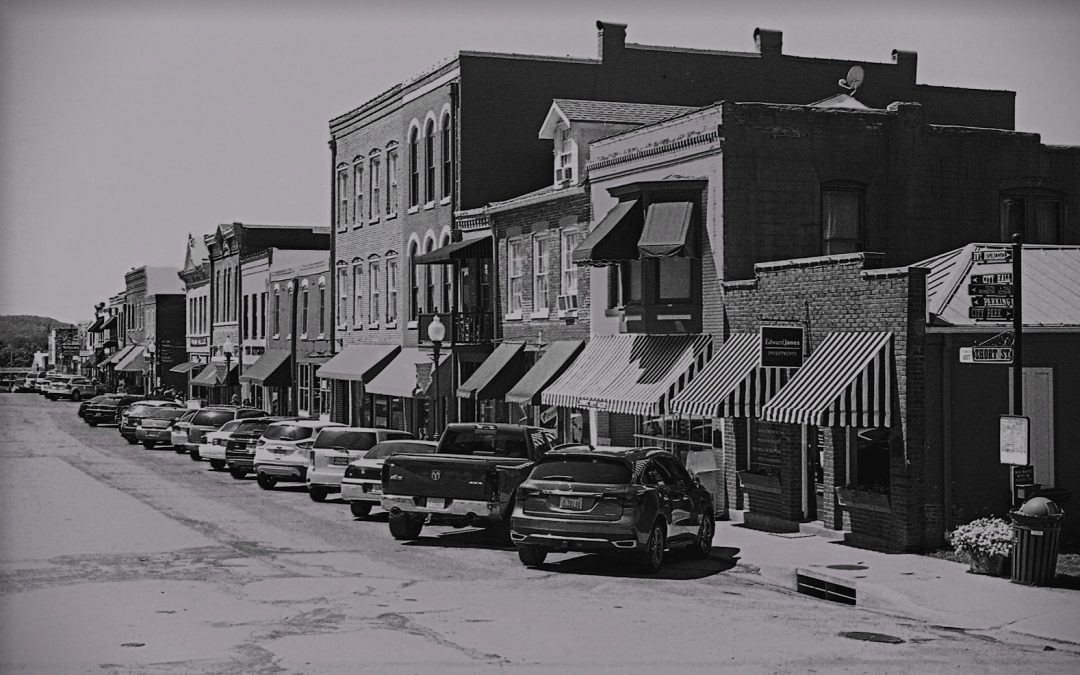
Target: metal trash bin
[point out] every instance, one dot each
(1037, 531)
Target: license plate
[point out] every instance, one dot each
(573, 503)
(278, 451)
(339, 461)
(372, 489)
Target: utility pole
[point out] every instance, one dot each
(1018, 325)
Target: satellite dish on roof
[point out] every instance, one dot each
(854, 78)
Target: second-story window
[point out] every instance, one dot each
(374, 272)
(373, 187)
(516, 263)
(569, 272)
(246, 329)
(304, 311)
(429, 161)
(322, 307)
(414, 166)
(841, 219)
(391, 180)
(358, 293)
(1037, 214)
(391, 290)
(358, 190)
(429, 276)
(414, 284)
(343, 197)
(540, 274)
(447, 157)
(447, 273)
(343, 295)
(277, 311)
(262, 313)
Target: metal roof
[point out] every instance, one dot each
(577, 110)
(1050, 284)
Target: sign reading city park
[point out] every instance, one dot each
(1014, 435)
(782, 346)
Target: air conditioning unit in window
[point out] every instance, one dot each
(564, 175)
(568, 303)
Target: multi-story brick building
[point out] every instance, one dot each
(196, 277)
(150, 329)
(463, 135)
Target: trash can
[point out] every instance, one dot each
(1037, 530)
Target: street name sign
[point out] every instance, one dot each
(994, 255)
(989, 289)
(1014, 435)
(992, 301)
(990, 313)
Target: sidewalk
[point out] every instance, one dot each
(920, 587)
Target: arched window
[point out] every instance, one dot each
(447, 157)
(343, 197)
(391, 179)
(447, 281)
(414, 284)
(358, 189)
(429, 161)
(358, 293)
(414, 166)
(374, 182)
(374, 275)
(429, 293)
(391, 287)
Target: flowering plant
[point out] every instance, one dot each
(985, 536)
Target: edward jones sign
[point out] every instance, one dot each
(782, 346)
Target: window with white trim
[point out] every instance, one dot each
(373, 187)
(391, 180)
(391, 290)
(429, 272)
(277, 311)
(414, 166)
(540, 273)
(447, 157)
(414, 284)
(358, 294)
(447, 272)
(343, 197)
(565, 157)
(374, 271)
(429, 161)
(304, 310)
(343, 295)
(515, 257)
(322, 306)
(570, 239)
(358, 190)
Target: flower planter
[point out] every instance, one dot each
(852, 499)
(993, 565)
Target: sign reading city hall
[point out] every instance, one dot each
(782, 346)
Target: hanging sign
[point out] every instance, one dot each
(782, 346)
(1014, 436)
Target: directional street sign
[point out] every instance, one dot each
(986, 354)
(990, 313)
(997, 255)
(989, 289)
(1000, 278)
(992, 301)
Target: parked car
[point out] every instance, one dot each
(282, 452)
(211, 419)
(86, 403)
(132, 415)
(44, 380)
(332, 450)
(107, 409)
(155, 427)
(73, 387)
(26, 384)
(470, 480)
(361, 485)
(213, 445)
(178, 432)
(638, 501)
(240, 448)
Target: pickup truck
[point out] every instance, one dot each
(469, 480)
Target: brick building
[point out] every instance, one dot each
(195, 275)
(463, 135)
(150, 330)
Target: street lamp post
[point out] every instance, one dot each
(436, 333)
(227, 350)
(107, 351)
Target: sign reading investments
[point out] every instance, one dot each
(782, 346)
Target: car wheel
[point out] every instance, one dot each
(195, 456)
(179, 449)
(703, 543)
(360, 509)
(266, 482)
(75, 396)
(532, 556)
(653, 555)
(131, 440)
(217, 464)
(149, 445)
(93, 424)
(238, 474)
(406, 525)
(318, 493)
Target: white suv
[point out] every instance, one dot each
(334, 448)
(281, 454)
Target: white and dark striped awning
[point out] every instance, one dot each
(733, 384)
(630, 374)
(846, 383)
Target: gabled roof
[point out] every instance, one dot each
(841, 101)
(568, 111)
(1050, 284)
(197, 253)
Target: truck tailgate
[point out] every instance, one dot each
(448, 476)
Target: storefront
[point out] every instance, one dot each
(269, 380)
(219, 381)
(348, 372)
(551, 362)
(485, 389)
(400, 395)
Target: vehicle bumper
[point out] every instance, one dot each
(466, 508)
(287, 472)
(127, 432)
(353, 490)
(100, 418)
(211, 451)
(155, 435)
(574, 536)
(328, 477)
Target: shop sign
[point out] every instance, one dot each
(782, 346)
(1023, 475)
(203, 341)
(423, 377)
(593, 404)
(995, 255)
(1014, 434)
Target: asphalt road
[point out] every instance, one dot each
(118, 559)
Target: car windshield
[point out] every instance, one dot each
(600, 470)
(212, 418)
(287, 432)
(384, 450)
(137, 409)
(255, 427)
(230, 426)
(166, 413)
(484, 441)
(350, 439)
(187, 415)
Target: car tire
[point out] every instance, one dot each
(702, 546)
(75, 396)
(532, 556)
(131, 440)
(265, 482)
(406, 526)
(652, 558)
(217, 464)
(360, 509)
(317, 493)
(238, 474)
(93, 424)
(195, 456)
(149, 445)
(179, 449)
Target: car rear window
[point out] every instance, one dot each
(485, 442)
(287, 432)
(230, 426)
(384, 450)
(345, 438)
(212, 418)
(166, 413)
(583, 470)
(252, 427)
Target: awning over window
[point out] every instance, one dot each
(186, 367)
(473, 246)
(847, 382)
(120, 355)
(214, 375)
(632, 374)
(614, 238)
(110, 323)
(398, 378)
(733, 384)
(358, 363)
(133, 361)
(96, 326)
(499, 371)
(667, 231)
(556, 358)
(272, 369)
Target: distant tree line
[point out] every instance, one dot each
(22, 335)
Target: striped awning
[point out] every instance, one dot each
(631, 374)
(120, 355)
(133, 360)
(733, 384)
(847, 382)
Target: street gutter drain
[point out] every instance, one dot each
(825, 590)
(872, 637)
(133, 644)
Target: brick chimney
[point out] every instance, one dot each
(907, 62)
(610, 39)
(769, 41)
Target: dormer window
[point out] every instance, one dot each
(565, 158)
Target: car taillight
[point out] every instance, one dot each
(630, 498)
(527, 492)
(311, 457)
(352, 472)
(491, 483)
(261, 442)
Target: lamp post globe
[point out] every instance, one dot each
(436, 333)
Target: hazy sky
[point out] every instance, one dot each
(126, 125)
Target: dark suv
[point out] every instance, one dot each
(131, 416)
(240, 447)
(212, 419)
(641, 501)
(107, 409)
